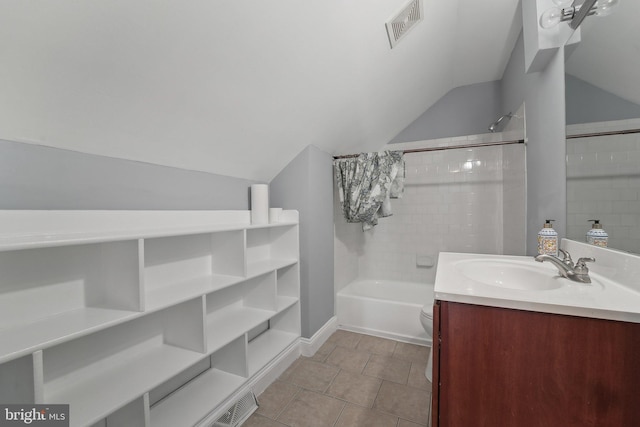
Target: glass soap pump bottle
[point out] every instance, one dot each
(548, 239)
(596, 235)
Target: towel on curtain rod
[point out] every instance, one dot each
(367, 182)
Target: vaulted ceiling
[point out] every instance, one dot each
(235, 87)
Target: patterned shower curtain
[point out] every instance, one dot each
(367, 182)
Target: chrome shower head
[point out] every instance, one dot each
(494, 125)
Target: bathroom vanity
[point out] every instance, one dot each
(509, 354)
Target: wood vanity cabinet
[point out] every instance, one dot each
(499, 367)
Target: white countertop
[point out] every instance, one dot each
(603, 299)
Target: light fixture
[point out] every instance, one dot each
(605, 7)
(576, 14)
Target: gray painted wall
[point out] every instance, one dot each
(465, 110)
(546, 150)
(543, 96)
(306, 184)
(38, 177)
(515, 186)
(587, 103)
(512, 86)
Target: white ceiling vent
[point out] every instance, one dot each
(404, 21)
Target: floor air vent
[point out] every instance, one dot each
(404, 21)
(239, 412)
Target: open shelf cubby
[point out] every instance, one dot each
(197, 398)
(18, 381)
(102, 372)
(288, 281)
(51, 294)
(233, 311)
(144, 318)
(284, 330)
(182, 267)
(176, 382)
(133, 414)
(271, 248)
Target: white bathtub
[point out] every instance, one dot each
(385, 308)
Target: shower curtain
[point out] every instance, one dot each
(367, 182)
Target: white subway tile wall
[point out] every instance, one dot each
(603, 182)
(454, 201)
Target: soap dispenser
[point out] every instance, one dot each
(548, 239)
(597, 236)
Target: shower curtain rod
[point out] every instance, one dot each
(489, 144)
(451, 147)
(603, 133)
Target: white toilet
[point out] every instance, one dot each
(426, 318)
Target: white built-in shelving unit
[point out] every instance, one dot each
(143, 318)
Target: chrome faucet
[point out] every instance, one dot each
(578, 272)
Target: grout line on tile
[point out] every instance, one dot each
(412, 421)
(287, 405)
(430, 407)
(377, 393)
(289, 402)
(344, 405)
(416, 388)
(332, 380)
(395, 344)
(395, 415)
(365, 365)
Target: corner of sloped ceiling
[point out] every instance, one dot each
(482, 56)
(396, 85)
(465, 110)
(310, 154)
(608, 54)
(586, 103)
(188, 90)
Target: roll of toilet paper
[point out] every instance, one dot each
(274, 215)
(259, 204)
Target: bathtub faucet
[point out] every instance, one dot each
(577, 273)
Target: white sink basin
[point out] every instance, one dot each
(519, 282)
(511, 274)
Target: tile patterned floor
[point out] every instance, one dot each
(353, 380)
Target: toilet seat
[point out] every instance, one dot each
(427, 311)
(426, 318)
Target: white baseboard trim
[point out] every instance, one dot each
(258, 382)
(309, 346)
(273, 370)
